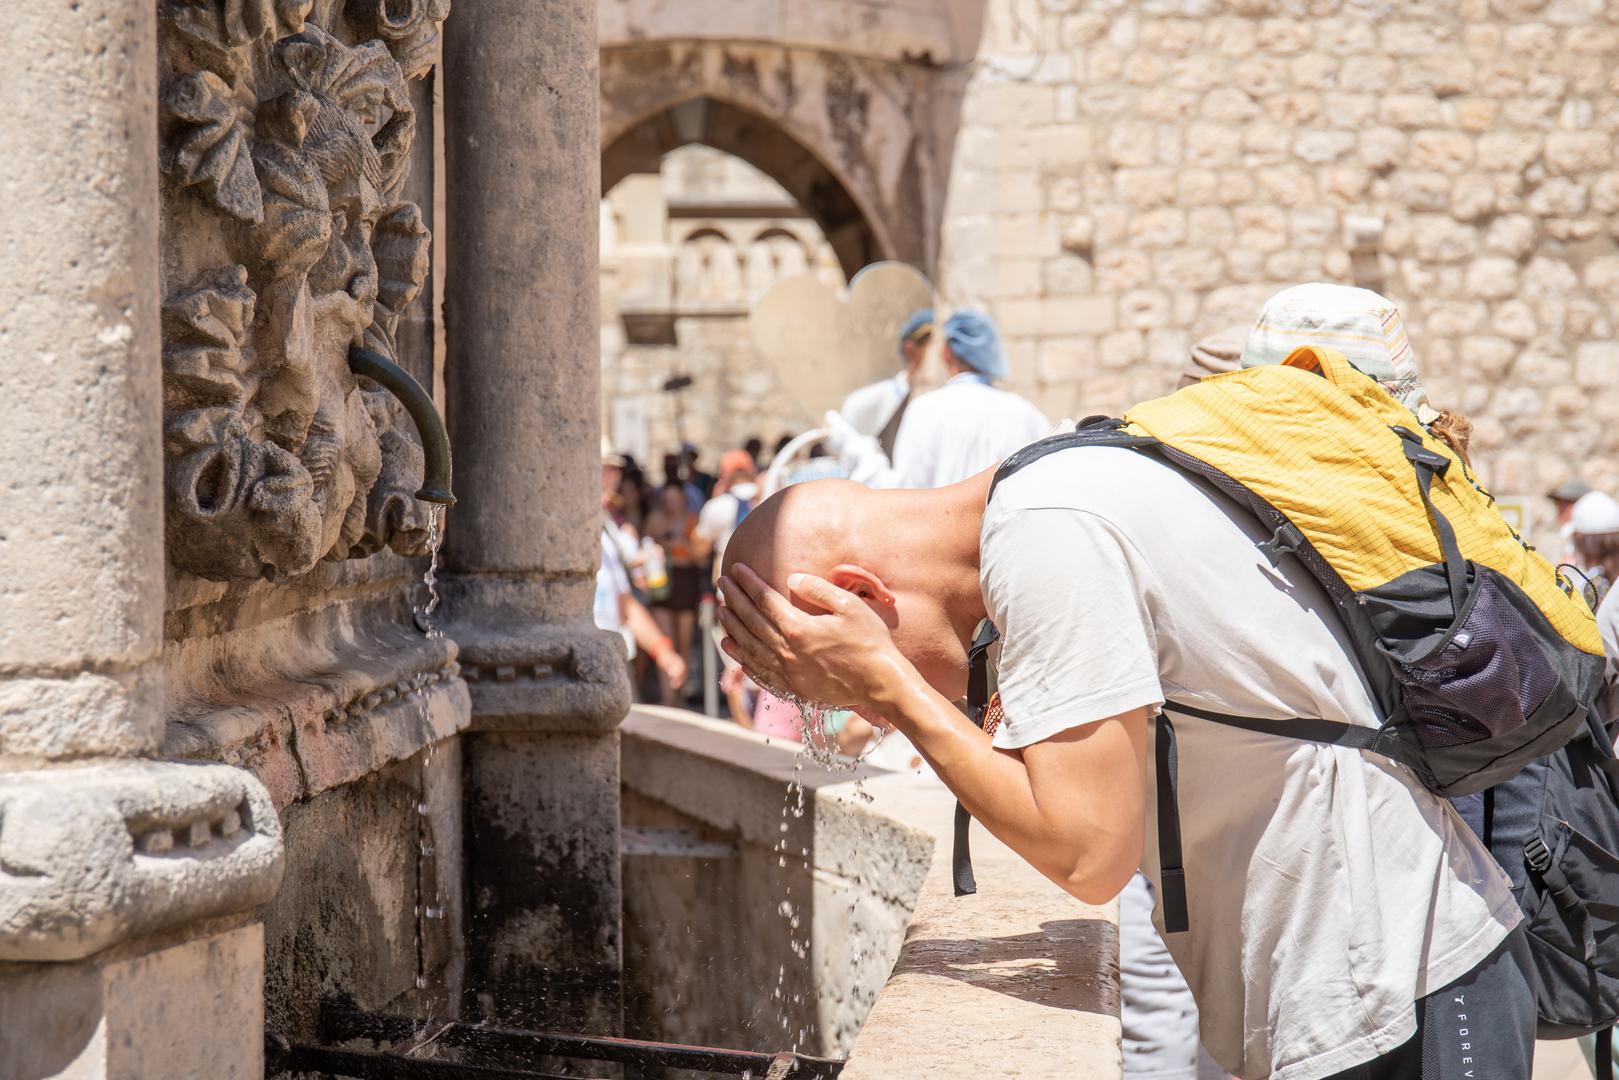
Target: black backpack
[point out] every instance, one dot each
(1554, 828)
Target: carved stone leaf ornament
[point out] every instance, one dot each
(210, 144)
(278, 456)
(230, 24)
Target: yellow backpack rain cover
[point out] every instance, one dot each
(1482, 657)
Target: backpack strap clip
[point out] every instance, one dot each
(1284, 541)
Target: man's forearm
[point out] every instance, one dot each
(1054, 830)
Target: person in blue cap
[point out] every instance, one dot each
(877, 410)
(961, 428)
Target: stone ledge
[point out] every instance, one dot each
(95, 855)
(352, 705)
(1018, 980)
(814, 903)
(733, 780)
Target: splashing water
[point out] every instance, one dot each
(435, 540)
(818, 747)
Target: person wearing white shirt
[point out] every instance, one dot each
(877, 410)
(965, 426)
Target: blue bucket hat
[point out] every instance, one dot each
(974, 341)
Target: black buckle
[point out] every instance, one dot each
(1418, 454)
(1537, 856)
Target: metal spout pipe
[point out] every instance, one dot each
(429, 425)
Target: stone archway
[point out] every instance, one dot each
(852, 138)
(856, 238)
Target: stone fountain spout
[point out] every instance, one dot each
(435, 439)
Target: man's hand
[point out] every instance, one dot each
(833, 651)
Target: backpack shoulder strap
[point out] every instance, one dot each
(979, 688)
(1092, 431)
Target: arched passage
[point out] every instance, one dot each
(763, 144)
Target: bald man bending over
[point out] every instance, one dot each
(1337, 908)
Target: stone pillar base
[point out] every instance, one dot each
(544, 946)
(195, 1009)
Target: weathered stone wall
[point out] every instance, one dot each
(1129, 177)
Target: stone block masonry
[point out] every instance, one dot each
(1145, 174)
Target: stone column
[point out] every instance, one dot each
(98, 857)
(522, 157)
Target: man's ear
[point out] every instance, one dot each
(863, 583)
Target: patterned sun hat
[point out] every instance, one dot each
(1365, 326)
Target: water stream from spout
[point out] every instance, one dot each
(428, 907)
(435, 540)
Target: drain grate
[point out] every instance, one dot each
(482, 1052)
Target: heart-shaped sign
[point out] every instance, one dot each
(823, 342)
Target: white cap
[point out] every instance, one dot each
(1595, 512)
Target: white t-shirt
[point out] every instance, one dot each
(959, 430)
(869, 408)
(1327, 889)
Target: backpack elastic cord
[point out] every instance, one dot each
(1171, 872)
(961, 857)
(1604, 1070)
(1378, 740)
(1429, 465)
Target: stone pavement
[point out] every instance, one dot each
(1560, 1060)
(1019, 980)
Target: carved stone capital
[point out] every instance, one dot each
(95, 855)
(535, 676)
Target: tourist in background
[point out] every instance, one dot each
(1563, 497)
(615, 607)
(736, 489)
(947, 435)
(1594, 532)
(677, 474)
(670, 525)
(702, 481)
(755, 446)
(878, 410)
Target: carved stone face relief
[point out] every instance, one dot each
(286, 151)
